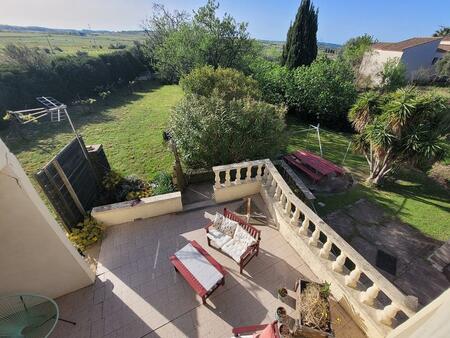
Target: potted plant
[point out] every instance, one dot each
(284, 330)
(282, 293)
(281, 314)
(314, 308)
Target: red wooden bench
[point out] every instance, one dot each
(303, 168)
(239, 331)
(252, 250)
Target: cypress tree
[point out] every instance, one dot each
(301, 42)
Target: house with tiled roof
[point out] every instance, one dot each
(415, 53)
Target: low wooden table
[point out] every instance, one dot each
(202, 272)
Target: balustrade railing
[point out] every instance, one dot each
(303, 217)
(311, 228)
(233, 173)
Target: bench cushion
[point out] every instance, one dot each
(218, 239)
(225, 225)
(234, 249)
(243, 236)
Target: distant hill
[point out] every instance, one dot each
(321, 45)
(81, 32)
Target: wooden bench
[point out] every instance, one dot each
(303, 168)
(252, 250)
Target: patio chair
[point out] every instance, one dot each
(257, 331)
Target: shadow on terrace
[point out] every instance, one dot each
(137, 292)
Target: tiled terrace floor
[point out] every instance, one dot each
(137, 293)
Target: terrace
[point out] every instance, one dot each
(137, 292)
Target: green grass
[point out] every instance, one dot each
(129, 126)
(413, 197)
(70, 44)
(130, 129)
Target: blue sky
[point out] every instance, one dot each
(339, 20)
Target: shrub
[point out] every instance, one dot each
(393, 75)
(226, 83)
(354, 49)
(272, 80)
(125, 188)
(211, 131)
(86, 233)
(322, 92)
(162, 184)
(443, 66)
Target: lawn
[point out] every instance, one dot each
(128, 125)
(70, 43)
(413, 197)
(130, 128)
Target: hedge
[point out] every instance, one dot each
(67, 78)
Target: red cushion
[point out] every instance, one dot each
(268, 332)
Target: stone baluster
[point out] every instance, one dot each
(259, 172)
(268, 178)
(386, 316)
(227, 178)
(288, 207)
(266, 171)
(296, 216)
(338, 264)
(238, 175)
(305, 225)
(273, 187)
(352, 279)
(314, 236)
(249, 174)
(217, 178)
(282, 199)
(368, 297)
(277, 193)
(325, 251)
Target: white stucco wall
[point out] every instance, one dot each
(123, 212)
(431, 321)
(35, 255)
(419, 57)
(373, 63)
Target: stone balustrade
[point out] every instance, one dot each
(234, 181)
(311, 228)
(236, 169)
(318, 244)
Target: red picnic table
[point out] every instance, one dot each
(313, 165)
(202, 272)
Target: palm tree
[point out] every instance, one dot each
(397, 128)
(443, 31)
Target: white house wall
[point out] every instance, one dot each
(373, 63)
(35, 255)
(419, 57)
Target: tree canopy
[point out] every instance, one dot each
(178, 43)
(443, 31)
(221, 119)
(301, 42)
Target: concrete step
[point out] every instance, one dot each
(440, 258)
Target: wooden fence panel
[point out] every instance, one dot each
(70, 183)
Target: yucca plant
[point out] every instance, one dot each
(400, 127)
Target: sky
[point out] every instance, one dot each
(339, 20)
